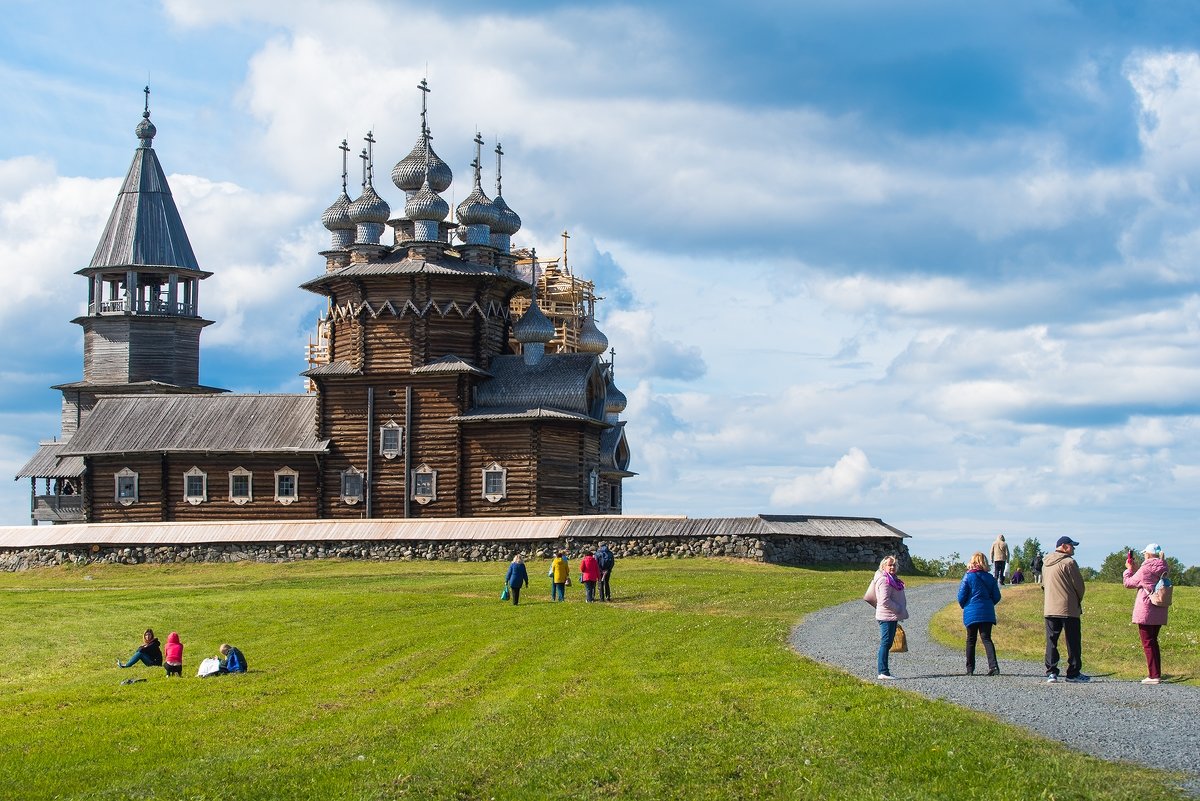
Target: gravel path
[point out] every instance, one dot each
(1108, 718)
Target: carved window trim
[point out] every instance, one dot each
(235, 477)
(295, 477)
(424, 484)
(594, 486)
(352, 486)
(125, 487)
(499, 478)
(391, 440)
(195, 499)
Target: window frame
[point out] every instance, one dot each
(193, 498)
(360, 477)
(493, 469)
(130, 478)
(295, 477)
(241, 472)
(419, 474)
(384, 430)
(594, 487)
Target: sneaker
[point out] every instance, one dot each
(886, 677)
(1079, 679)
(1151, 681)
(994, 671)
(1052, 678)
(120, 664)
(970, 671)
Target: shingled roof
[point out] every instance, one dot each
(48, 462)
(556, 381)
(192, 423)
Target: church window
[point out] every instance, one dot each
(424, 484)
(594, 487)
(495, 480)
(352, 485)
(391, 437)
(614, 496)
(286, 481)
(127, 487)
(241, 486)
(195, 486)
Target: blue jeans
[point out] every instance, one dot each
(887, 633)
(138, 656)
(558, 592)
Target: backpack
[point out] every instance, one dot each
(604, 559)
(1162, 593)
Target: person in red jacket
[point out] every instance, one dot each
(173, 655)
(589, 570)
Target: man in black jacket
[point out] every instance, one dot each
(605, 561)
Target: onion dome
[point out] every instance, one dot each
(409, 172)
(591, 338)
(370, 208)
(508, 222)
(426, 204)
(145, 129)
(337, 216)
(614, 399)
(533, 327)
(478, 209)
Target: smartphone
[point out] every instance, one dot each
(1130, 557)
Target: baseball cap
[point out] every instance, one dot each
(1153, 547)
(1065, 541)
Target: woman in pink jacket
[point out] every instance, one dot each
(1149, 618)
(886, 594)
(173, 655)
(589, 574)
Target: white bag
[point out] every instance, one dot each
(209, 667)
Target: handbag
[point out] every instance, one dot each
(504, 593)
(567, 583)
(900, 643)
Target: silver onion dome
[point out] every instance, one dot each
(426, 204)
(370, 208)
(508, 222)
(337, 216)
(614, 399)
(145, 130)
(409, 172)
(478, 209)
(533, 326)
(591, 338)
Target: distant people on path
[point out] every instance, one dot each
(232, 660)
(1148, 617)
(1018, 576)
(149, 653)
(174, 655)
(1036, 567)
(589, 574)
(606, 561)
(1062, 584)
(999, 557)
(886, 594)
(978, 595)
(560, 575)
(516, 578)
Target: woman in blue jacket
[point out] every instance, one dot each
(517, 578)
(978, 595)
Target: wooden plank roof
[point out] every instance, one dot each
(192, 423)
(498, 529)
(46, 463)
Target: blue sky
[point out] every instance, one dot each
(935, 263)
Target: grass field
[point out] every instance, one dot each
(412, 680)
(1110, 639)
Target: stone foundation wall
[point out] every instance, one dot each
(793, 551)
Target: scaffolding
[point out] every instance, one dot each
(564, 298)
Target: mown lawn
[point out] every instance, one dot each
(1110, 639)
(412, 680)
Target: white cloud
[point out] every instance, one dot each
(846, 480)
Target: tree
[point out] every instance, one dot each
(1113, 566)
(1189, 577)
(1024, 553)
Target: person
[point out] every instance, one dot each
(516, 578)
(174, 655)
(232, 660)
(978, 595)
(589, 574)
(1037, 567)
(560, 574)
(148, 653)
(1148, 617)
(999, 557)
(1018, 575)
(606, 560)
(886, 594)
(1062, 584)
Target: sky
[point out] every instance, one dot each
(933, 262)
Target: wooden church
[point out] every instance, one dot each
(438, 384)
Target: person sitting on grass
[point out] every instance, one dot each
(232, 660)
(174, 655)
(148, 653)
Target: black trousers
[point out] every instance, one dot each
(514, 592)
(984, 632)
(605, 592)
(1054, 627)
(999, 569)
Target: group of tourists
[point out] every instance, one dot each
(595, 573)
(1063, 587)
(151, 654)
(1000, 563)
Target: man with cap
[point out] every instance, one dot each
(1062, 584)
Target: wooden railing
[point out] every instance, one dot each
(58, 508)
(123, 306)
